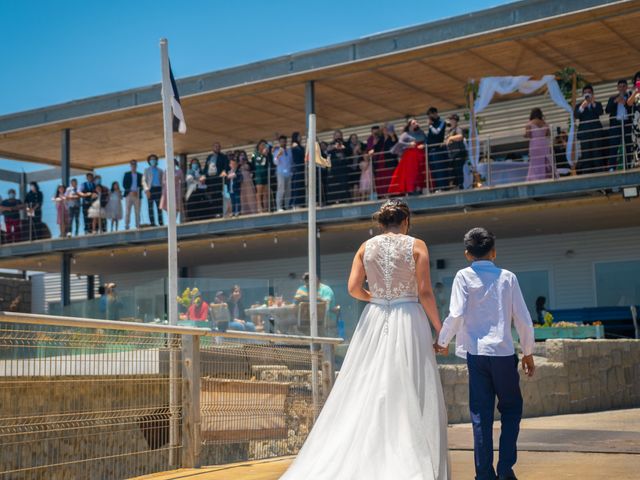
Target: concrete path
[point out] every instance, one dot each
(582, 447)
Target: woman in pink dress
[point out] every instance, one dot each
(537, 131)
(62, 212)
(248, 201)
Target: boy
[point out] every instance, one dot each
(484, 300)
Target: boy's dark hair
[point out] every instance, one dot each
(623, 81)
(479, 242)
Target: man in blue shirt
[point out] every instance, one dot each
(283, 159)
(152, 183)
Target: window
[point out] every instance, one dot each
(617, 283)
(534, 284)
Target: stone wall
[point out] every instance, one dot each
(15, 295)
(573, 376)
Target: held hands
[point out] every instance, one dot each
(440, 350)
(528, 366)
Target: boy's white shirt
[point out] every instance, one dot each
(485, 300)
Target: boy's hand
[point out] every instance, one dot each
(440, 350)
(528, 365)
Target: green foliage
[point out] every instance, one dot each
(565, 81)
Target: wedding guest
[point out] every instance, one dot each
(113, 210)
(247, 187)
(437, 156)
(87, 189)
(104, 201)
(236, 310)
(409, 177)
(62, 210)
(132, 184)
(215, 169)
(384, 170)
(537, 131)
(199, 202)
(233, 182)
(325, 294)
(73, 204)
(298, 190)
(375, 155)
(193, 175)
(338, 174)
(152, 183)
(33, 201)
(454, 141)
(199, 309)
(178, 180)
(590, 132)
(560, 142)
(283, 159)
(619, 125)
(354, 150)
(634, 102)
(364, 190)
(11, 207)
(96, 211)
(485, 301)
(260, 164)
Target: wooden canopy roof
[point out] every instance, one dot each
(372, 80)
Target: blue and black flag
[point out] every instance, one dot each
(179, 125)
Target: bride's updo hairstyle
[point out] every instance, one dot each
(392, 213)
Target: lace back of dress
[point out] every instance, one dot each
(390, 266)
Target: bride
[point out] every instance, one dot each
(385, 418)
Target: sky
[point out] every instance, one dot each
(63, 50)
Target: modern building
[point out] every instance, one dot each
(571, 239)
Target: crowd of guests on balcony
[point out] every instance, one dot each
(429, 157)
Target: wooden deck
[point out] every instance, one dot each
(585, 446)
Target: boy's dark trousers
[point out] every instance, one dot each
(490, 377)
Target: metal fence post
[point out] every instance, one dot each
(487, 145)
(554, 167)
(190, 401)
(328, 368)
(624, 146)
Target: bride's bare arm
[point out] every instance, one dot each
(423, 278)
(357, 277)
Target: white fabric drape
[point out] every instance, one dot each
(489, 86)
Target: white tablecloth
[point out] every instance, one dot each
(504, 172)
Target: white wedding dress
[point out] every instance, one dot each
(385, 418)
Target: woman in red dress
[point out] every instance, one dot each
(409, 176)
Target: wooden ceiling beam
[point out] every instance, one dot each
(363, 99)
(442, 72)
(323, 101)
(523, 43)
(571, 61)
(626, 42)
(412, 87)
(489, 62)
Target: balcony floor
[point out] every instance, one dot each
(585, 446)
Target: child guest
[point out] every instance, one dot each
(485, 300)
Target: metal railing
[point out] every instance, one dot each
(96, 399)
(506, 157)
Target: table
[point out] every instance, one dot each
(504, 172)
(285, 316)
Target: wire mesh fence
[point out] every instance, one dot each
(99, 399)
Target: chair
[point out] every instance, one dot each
(304, 316)
(219, 313)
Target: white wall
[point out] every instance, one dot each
(571, 281)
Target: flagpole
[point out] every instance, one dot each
(172, 248)
(313, 279)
